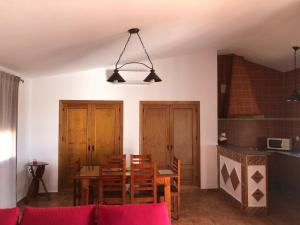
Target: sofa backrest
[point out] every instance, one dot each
(137, 214)
(9, 216)
(78, 215)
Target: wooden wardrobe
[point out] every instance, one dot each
(171, 128)
(89, 130)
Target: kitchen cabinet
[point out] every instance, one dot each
(284, 171)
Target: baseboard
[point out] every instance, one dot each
(210, 190)
(23, 200)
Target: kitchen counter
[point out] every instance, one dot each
(289, 153)
(244, 150)
(243, 177)
(253, 151)
(276, 169)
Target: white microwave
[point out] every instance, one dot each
(284, 144)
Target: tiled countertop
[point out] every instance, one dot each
(243, 150)
(253, 151)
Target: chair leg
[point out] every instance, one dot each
(74, 194)
(175, 207)
(161, 199)
(178, 206)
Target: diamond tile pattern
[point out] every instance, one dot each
(257, 177)
(225, 174)
(234, 179)
(258, 194)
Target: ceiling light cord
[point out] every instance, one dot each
(295, 96)
(145, 50)
(117, 78)
(124, 49)
(128, 39)
(295, 66)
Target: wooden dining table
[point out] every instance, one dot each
(89, 174)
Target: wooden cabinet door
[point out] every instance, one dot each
(156, 133)
(184, 139)
(106, 131)
(89, 131)
(171, 129)
(74, 125)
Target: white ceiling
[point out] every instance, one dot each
(42, 37)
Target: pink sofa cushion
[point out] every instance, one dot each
(80, 215)
(145, 214)
(9, 216)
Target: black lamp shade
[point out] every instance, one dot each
(294, 97)
(116, 77)
(152, 77)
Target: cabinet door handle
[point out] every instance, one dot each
(88, 155)
(92, 157)
(93, 148)
(171, 146)
(168, 147)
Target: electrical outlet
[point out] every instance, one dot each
(297, 138)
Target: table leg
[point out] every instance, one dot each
(30, 191)
(45, 188)
(100, 197)
(85, 183)
(34, 185)
(168, 193)
(166, 181)
(40, 170)
(37, 177)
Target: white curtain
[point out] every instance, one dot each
(9, 86)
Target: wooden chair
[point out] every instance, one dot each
(112, 182)
(175, 189)
(76, 183)
(116, 160)
(143, 183)
(136, 159)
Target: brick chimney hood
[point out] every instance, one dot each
(238, 98)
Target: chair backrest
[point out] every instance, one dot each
(137, 159)
(116, 160)
(143, 183)
(112, 183)
(175, 166)
(76, 167)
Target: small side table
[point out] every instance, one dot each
(37, 171)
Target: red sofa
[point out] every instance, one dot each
(139, 214)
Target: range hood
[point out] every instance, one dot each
(237, 98)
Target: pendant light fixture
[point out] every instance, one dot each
(295, 97)
(116, 77)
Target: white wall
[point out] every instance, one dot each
(188, 77)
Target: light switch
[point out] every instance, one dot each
(223, 88)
